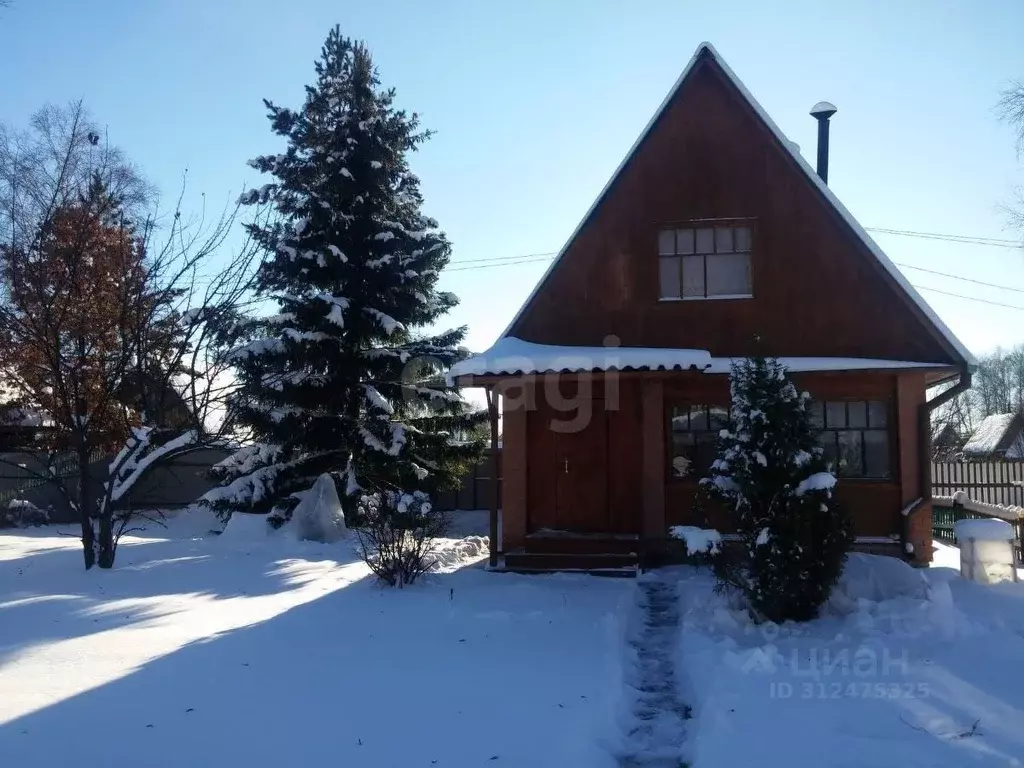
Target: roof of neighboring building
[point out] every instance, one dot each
(997, 434)
(706, 49)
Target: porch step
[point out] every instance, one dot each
(548, 562)
(562, 542)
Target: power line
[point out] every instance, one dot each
(969, 298)
(501, 258)
(503, 264)
(996, 242)
(530, 258)
(965, 239)
(958, 277)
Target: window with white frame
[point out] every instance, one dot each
(705, 262)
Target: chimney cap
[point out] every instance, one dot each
(823, 110)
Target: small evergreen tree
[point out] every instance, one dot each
(345, 379)
(772, 475)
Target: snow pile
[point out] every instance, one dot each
(699, 541)
(319, 516)
(989, 433)
(246, 527)
(451, 554)
(875, 578)
(512, 355)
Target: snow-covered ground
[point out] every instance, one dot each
(247, 650)
(934, 680)
(243, 650)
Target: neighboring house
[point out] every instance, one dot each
(999, 436)
(713, 240)
(20, 427)
(947, 444)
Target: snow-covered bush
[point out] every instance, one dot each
(23, 514)
(318, 516)
(397, 535)
(772, 476)
(702, 544)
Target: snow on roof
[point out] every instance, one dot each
(512, 355)
(989, 433)
(823, 188)
(802, 364)
(22, 417)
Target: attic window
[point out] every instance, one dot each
(705, 262)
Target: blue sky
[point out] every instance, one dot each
(536, 102)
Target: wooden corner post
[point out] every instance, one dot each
(492, 411)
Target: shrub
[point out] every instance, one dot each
(397, 535)
(772, 475)
(23, 514)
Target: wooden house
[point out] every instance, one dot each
(713, 240)
(998, 437)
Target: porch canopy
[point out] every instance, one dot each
(511, 356)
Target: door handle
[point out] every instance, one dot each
(566, 466)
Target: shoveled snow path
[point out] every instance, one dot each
(656, 728)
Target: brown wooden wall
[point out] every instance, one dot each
(874, 504)
(630, 458)
(817, 290)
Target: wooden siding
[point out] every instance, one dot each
(630, 463)
(817, 290)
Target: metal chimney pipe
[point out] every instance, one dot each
(822, 112)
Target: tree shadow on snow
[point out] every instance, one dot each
(47, 595)
(362, 675)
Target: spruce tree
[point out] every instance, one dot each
(346, 377)
(772, 475)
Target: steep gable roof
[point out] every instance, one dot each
(996, 435)
(904, 287)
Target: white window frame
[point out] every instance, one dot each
(679, 252)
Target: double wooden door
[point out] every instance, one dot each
(568, 468)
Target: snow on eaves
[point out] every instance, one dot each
(809, 172)
(989, 433)
(512, 355)
(803, 364)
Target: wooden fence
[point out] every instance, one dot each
(946, 515)
(991, 482)
(475, 489)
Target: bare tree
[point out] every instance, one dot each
(117, 333)
(1011, 110)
